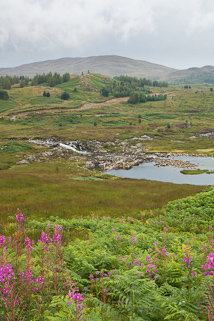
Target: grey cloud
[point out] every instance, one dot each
(40, 29)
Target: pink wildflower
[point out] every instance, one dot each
(19, 216)
(58, 228)
(56, 237)
(2, 239)
(133, 240)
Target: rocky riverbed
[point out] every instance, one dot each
(106, 156)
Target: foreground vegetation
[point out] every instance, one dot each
(155, 267)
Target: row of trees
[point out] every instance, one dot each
(124, 86)
(121, 89)
(50, 79)
(7, 81)
(118, 91)
(141, 98)
(140, 82)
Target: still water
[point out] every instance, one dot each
(169, 173)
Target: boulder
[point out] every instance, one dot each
(89, 165)
(22, 162)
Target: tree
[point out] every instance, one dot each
(48, 94)
(22, 83)
(6, 83)
(65, 96)
(105, 91)
(44, 93)
(66, 77)
(15, 80)
(134, 98)
(142, 98)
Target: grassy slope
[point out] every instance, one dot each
(191, 76)
(187, 112)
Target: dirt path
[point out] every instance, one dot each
(110, 101)
(85, 106)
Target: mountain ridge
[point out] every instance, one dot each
(113, 65)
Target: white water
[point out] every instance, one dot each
(51, 143)
(73, 148)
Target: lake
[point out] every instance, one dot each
(171, 174)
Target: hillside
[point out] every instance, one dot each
(191, 76)
(114, 66)
(105, 65)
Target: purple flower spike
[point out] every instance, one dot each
(133, 240)
(19, 216)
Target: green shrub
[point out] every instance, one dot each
(4, 95)
(65, 96)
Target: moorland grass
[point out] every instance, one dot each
(45, 189)
(196, 171)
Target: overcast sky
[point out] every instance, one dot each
(174, 33)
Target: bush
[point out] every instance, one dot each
(65, 96)
(4, 95)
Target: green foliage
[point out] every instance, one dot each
(136, 98)
(6, 84)
(114, 273)
(141, 82)
(67, 120)
(126, 86)
(46, 94)
(4, 95)
(65, 96)
(196, 171)
(127, 269)
(105, 92)
(50, 79)
(66, 77)
(15, 147)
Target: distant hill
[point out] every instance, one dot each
(191, 76)
(106, 65)
(114, 66)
